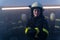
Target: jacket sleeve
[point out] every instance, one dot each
(45, 27)
(45, 31)
(27, 28)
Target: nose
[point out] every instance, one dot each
(36, 11)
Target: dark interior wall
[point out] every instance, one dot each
(12, 19)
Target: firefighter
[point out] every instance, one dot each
(37, 26)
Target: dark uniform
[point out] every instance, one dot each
(37, 27)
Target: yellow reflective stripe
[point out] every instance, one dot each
(26, 30)
(37, 30)
(45, 30)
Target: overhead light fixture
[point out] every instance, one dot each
(16, 8)
(51, 7)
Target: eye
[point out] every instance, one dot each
(35, 10)
(38, 10)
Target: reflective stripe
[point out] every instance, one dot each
(37, 31)
(26, 30)
(45, 30)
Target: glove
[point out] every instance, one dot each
(37, 31)
(27, 29)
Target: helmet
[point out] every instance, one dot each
(36, 4)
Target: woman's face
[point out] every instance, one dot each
(36, 12)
